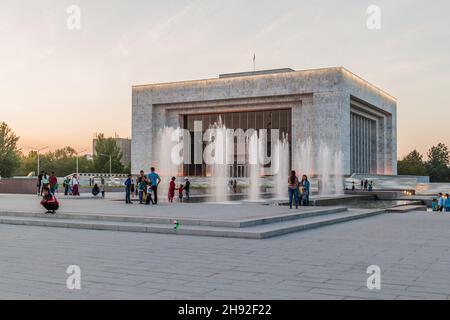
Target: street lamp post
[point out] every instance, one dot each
(37, 151)
(78, 157)
(110, 162)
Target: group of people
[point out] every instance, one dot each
(232, 186)
(46, 181)
(366, 185)
(96, 190)
(298, 190)
(442, 203)
(47, 187)
(180, 188)
(72, 186)
(146, 188)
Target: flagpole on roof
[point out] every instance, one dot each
(254, 62)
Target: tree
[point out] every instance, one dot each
(104, 149)
(437, 164)
(9, 153)
(412, 164)
(61, 161)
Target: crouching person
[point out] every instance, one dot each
(49, 201)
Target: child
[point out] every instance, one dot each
(142, 187)
(132, 187)
(434, 205)
(148, 197)
(171, 193)
(103, 188)
(180, 192)
(49, 201)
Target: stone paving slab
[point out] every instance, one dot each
(413, 252)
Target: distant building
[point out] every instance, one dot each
(124, 145)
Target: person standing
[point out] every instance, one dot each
(136, 189)
(155, 180)
(293, 189)
(187, 188)
(447, 202)
(441, 202)
(66, 185)
(128, 184)
(45, 181)
(103, 188)
(133, 187)
(53, 180)
(39, 184)
(172, 187)
(75, 183)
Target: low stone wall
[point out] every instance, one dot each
(18, 186)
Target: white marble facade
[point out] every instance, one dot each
(323, 104)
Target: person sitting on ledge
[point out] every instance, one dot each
(49, 201)
(95, 190)
(434, 205)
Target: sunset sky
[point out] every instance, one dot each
(60, 86)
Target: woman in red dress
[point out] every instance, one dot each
(172, 186)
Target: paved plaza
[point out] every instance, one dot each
(412, 250)
(114, 205)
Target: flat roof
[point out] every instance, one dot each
(255, 73)
(267, 72)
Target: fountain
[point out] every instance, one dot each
(327, 167)
(167, 164)
(330, 171)
(220, 147)
(304, 157)
(253, 156)
(323, 164)
(280, 167)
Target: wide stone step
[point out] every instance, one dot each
(248, 222)
(253, 232)
(405, 209)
